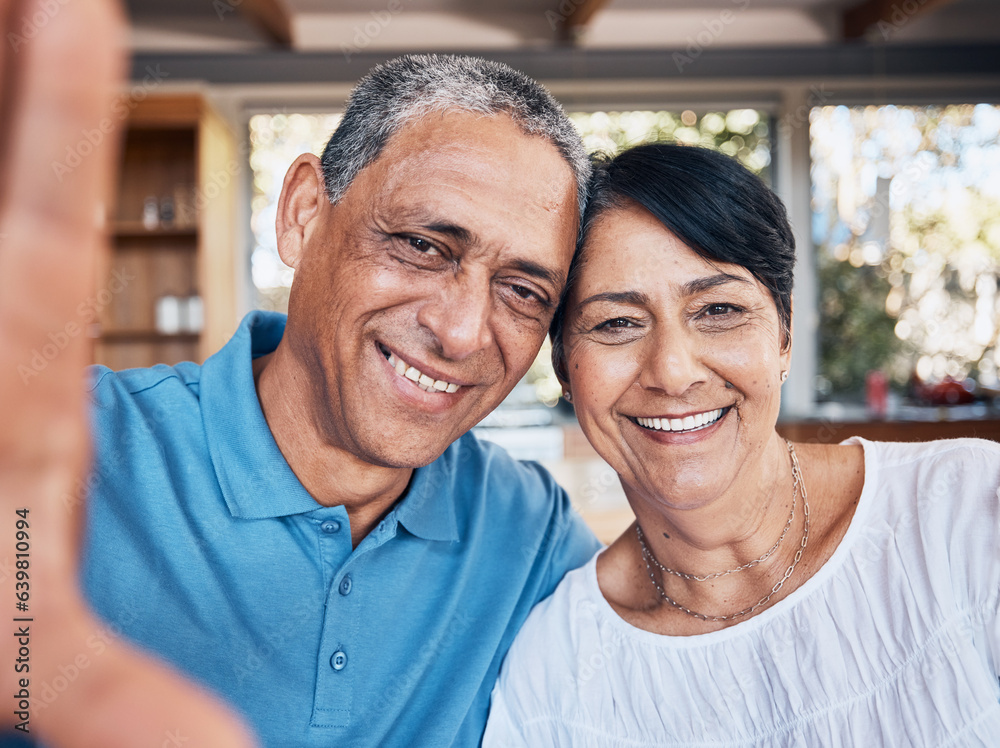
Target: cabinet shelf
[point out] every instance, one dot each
(174, 147)
(148, 336)
(135, 230)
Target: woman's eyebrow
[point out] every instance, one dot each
(700, 285)
(636, 298)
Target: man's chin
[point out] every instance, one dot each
(407, 455)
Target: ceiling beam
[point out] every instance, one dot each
(888, 15)
(272, 17)
(576, 14)
(806, 64)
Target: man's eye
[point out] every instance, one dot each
(524, 293)
(422, 245)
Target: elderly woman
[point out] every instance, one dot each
(769, 593)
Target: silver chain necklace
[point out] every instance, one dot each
(747, 565)
(797, 485)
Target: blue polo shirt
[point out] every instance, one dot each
(203, 547)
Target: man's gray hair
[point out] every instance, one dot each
(406, 88)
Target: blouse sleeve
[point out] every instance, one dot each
(503, 728)
(965, 494)
(993, 608)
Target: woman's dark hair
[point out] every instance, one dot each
(711, 202)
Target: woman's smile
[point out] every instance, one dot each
(682, 424)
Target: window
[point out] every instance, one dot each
(276, 140)
(906, 223)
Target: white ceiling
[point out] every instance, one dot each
(351, 26)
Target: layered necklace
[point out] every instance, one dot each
(798, 486)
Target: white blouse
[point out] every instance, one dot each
(895, 641)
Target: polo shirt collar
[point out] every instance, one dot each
(254, 476)
(255, 479)
(428, 509)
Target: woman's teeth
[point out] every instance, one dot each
(422, 381)
(687, 423)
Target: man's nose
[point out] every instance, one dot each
(459, 315)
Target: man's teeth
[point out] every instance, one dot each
(423, 381)
(687, 423)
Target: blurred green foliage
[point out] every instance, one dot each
(906, 221)
(741, 133)
(856, 333)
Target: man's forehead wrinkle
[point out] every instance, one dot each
(443, 143)
(420, 184)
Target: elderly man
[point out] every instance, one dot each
(302, 525)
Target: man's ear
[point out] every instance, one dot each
(303, 194)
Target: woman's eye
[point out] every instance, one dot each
(617, 322)
(718, 310)
(422, 245)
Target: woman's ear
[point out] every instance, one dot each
(299, 204)
(559, 365)
(786, 348)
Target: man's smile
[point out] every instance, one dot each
(426, 382)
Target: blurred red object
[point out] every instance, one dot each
(946, 392)
(877, 393)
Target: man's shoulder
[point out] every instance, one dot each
(481, 465)
(495, 490)
(150, 402)
(105, 384)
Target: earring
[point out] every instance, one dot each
(568, 396)
(784, 375)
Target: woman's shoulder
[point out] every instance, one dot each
(546, 660)
(907, 470)
(936, 504)
(555, 626)
(881, 455)
(935, 474)
(938, 452)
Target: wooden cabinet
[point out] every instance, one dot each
(173, 239)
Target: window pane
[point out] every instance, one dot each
(276, 140)
(906, 220)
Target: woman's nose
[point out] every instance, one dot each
(672, 363)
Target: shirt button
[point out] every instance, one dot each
(330, 526)
(345, 585)
(338, 661)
